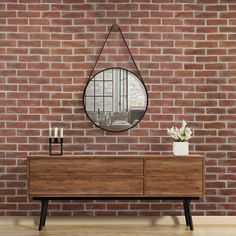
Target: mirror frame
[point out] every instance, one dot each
(140, 79)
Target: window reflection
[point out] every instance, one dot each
(115, 99)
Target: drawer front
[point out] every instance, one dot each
(85, 176)
(86, 185)
(89, 167)
(176, 188)
(175, 176)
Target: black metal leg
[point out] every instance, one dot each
(189, 214)
(41, 215)
(186, 213)
(45, 211)
(45, 200)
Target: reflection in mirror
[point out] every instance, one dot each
(115, 99)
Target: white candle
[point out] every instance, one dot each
(50, 132)
(56, 130)
(61, 132)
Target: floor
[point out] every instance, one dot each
(117, 230)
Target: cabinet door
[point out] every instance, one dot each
(85, 176)
(173, 177)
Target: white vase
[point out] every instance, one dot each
(180, 148)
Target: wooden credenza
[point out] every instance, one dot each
(115, 177)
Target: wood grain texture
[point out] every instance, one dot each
(181, 167)
(86, 185)
(177, 176)
(86, 166)
(173, 188)
(57, 176)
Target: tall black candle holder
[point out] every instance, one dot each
(53, 142)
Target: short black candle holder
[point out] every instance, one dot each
(53, 142)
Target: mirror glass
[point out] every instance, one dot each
(115, 99)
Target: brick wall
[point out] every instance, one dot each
(185, 50)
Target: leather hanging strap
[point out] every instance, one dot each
(115, 27)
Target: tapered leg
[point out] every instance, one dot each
(45, 212)
(189, 214)
(41, 215)
(186, 213)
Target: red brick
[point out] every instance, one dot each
(28, 14)
(161, 206)
(7, 14)
(95, 206)
(16, 6)
(96, 147)
(117, 206)
(228, 29)
(38, 7)
(206, 14)
(8, 206)
(117, 147)
(194, 36)
(206, 44)
(140, 147)
(139, 206)
(5, 192)
(171, 7)
(216, 22)
(228, 15)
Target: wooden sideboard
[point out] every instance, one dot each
(115, 177)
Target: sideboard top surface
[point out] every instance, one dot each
(111, 156)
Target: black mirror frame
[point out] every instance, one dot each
(116, 131)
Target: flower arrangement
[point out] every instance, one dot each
(180, 135)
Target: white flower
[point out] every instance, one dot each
(180, 135)
(184, 124)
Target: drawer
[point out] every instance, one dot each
(85, 185)
(85, 167)
(174, 167)
(175, 176)
(173, 188)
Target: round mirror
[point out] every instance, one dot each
(115, 99)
